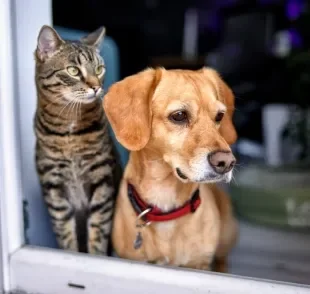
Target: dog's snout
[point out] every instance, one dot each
(222, 161)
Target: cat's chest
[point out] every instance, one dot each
(79, 166)
(72, 127)
(76, 146)
(76, 184)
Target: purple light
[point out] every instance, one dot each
(266, 2)
(294, 9)
(295, 37)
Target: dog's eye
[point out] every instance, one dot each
(179, 117)
(219, 117)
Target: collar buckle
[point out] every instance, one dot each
(141, 217)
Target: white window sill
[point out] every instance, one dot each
(264, 261)
(38, 270)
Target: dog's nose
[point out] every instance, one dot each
(222, 161)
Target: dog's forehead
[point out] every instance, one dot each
(185, 87)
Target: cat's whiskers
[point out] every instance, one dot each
(80, 109)
(64, 108)
(76, 106)
(71, 109)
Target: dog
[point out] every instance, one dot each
(177, 125)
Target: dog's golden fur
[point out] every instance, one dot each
(138, 108)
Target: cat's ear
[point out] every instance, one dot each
(95, 38)
(48, 42)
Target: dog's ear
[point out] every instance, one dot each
(225, 95)
(127, 105)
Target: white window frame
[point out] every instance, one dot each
(42, 270)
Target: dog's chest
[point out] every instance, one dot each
(163, 197)
(181, 244)
(166, 228)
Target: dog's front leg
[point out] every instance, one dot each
(220, 265)
(204, 265)
(161, 261)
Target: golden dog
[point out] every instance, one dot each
(178, 126)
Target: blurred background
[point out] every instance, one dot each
(249, 41)
(261, 49)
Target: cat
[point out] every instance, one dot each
(75, 157)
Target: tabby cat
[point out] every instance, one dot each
(75, 156)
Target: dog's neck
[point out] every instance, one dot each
(155, 181)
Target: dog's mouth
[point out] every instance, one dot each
(180, 174)
(209, 178)
(215, 178)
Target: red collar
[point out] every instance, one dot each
(156, 214)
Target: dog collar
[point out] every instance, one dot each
(157, 215)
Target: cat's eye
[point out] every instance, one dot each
(73, 71)
(99, 70)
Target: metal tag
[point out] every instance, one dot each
(138, 242)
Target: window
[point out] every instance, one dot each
(42, 268)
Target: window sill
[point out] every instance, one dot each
(48, 271)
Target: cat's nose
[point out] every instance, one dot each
(96, 89)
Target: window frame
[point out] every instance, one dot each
(42, 270)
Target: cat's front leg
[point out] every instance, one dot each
(62, 216)
(100, 216)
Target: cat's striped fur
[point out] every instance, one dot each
(75, 157)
